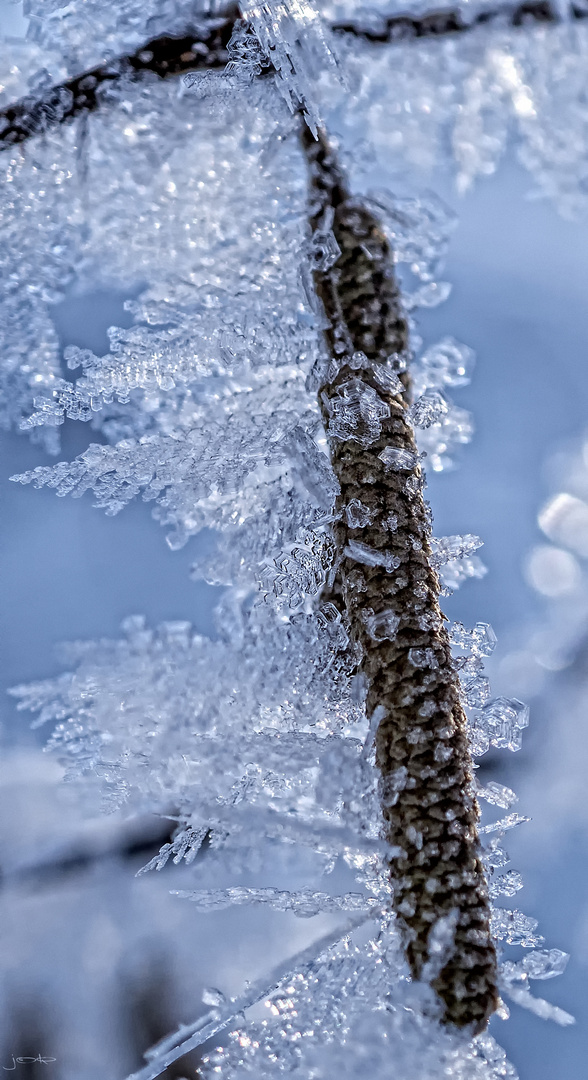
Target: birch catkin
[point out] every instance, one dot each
(428, 806)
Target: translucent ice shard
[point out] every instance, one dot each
(448, 363)
(476, 691)
(545, 963)
(428, 409)
(369, 556)
(185, 846)
(304, 903)
(497, 794)
(386, 377)
(425, 658)
(398, 459)
(294, 39)
(301, 571)
(506, 885)
(358, 515)
(356, 413)
(504, 720)
(324, 250)
(480, 641)
(447, 549)
(515, 928)
(383, 626)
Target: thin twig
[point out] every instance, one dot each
(200, 48)
(190, 1036)
(203, 47)
(387, 29)
(128, 843)
(392, 609)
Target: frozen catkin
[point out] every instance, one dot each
(389, 594)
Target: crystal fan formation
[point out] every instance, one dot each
(207, 406)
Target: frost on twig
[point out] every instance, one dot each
(202, 47)
(389, 592)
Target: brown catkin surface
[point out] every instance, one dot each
(428, 806)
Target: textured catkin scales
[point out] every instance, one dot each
(422, 752)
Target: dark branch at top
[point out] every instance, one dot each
(382, 29)
(204, 47)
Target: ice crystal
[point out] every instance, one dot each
(324, 251)
(301, 571)
(454, 428)
(544, 963)
(428, 409)
(184, 846)
(453, 573)
(447, 549)
(515, 928)
(502, 722)
(386, 377)
(506, 885)
(497, 794)
(425, 658)
(479, 641)
(448, 363)
(357, 514)
(369, 556)
(356, 412)
(305, 904)
(398, 459)
(476, 691)
(293, 37)
(382, 626)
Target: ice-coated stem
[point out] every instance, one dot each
(190, 1036)
(204, 47)
(389, 594)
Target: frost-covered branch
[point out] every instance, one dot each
(389, 591)
(190, 1036)
(204, 47)
(139, 839)
(385, 29)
